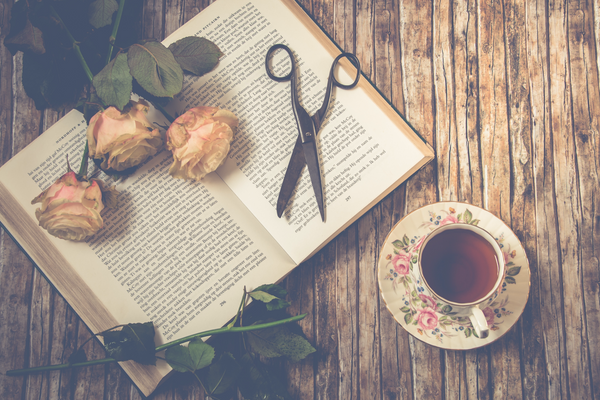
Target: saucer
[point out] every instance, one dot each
(402, 290)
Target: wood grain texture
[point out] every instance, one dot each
(508, 94)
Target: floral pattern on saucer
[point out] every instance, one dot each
(420, 314)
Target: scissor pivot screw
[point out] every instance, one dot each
(308, 134)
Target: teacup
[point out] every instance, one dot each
(462, 267)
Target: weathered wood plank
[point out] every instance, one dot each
(446, 141)
(466, 98)
(546, 271)
(568, 199)
(325, 331)
(369, 340)
(586, 108)
(417, 65)
(300, 286)
(346, 317)
(523, 210)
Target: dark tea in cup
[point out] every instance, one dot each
(460, 265)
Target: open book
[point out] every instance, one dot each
(179, 253)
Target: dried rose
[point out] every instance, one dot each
(200, 140)
(122, 140)
(71, 208)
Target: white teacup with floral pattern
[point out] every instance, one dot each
(462, 268)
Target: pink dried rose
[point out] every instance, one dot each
(200, 140)
(119, 141)
(71, 208)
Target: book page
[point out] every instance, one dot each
(366, 149)
(174, 252)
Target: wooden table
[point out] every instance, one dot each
(508, 95)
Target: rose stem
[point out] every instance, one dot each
(84, 161)
(25, 371)
(115, 28)
(164, 112)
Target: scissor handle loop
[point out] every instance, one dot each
(354, 60)
(270, 73)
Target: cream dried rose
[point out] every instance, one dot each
(71, 208)
(200, 140)
(122, 140)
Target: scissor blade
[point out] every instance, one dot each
(312, 161)
(292, 174)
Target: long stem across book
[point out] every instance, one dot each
(178, 253)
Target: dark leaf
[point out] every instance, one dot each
(155, 69)
(27, 39)
(23, 35)
(219, 378)
(196, 55)
(406, 240)
(514, 271)
(510, 279)
(101, 12)
(195, 356)
(272, 295)
(51, 83)
(279, 341)
(132, 342)
(261, 382)
(77, 357)
(407, 318)
(114, 83)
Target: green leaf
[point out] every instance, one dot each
(101, 12)
(221, 375)
(196, 55)
(467, 332)
(510, 279)
(259, 381)
(475, 222)
(279, 341)
(447, 309)
(114, 83)
(195, 356)
(407, 318)
(405, 240)
(132, 342)
(398, 244)
(405, 309)
(468, 216)
(271, 295)
(155, 69)
(514, 271)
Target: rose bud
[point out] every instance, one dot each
(119, 140)
(71, 208)
(200, 140)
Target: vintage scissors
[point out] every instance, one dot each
(305, 149)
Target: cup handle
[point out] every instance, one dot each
(479, 322)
